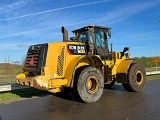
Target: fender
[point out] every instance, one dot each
(73, 65)
(122, 71)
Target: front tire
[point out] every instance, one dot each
(136, 78)
(90, 84)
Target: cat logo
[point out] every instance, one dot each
(31, 62)
(80, 49)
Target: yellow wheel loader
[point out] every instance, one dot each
(85, 64)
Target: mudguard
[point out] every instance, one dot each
(73, 65)
(122, 71)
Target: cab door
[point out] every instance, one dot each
(101, 44)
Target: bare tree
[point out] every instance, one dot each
(8, 69)
(23, 60)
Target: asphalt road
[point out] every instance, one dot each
(115, 104)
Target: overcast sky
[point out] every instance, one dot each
(28, 22)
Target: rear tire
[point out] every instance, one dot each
(136, 78)
(89, 84)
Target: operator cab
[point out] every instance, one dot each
(95, 38)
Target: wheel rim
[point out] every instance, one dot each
(139, 77)
(92, 84)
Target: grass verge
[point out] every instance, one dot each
(7, 80)
(21, 93)
(153, 77)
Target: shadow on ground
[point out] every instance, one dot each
(67, 94)
(29, 92)
(117, 87)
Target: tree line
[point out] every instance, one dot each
(147, 61)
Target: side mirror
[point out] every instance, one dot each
(125, 49)
(109, 33)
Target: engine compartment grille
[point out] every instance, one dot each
(60, 63)
(32, 60)
(36, 58)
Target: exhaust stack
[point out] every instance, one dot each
(65, 34)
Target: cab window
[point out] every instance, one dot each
(82, 37)
(100, 38)
(90, 38)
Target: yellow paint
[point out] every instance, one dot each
(54, 50)
(60, 66)
(54, 83)
(124, 66)
(21, 76)
(54, 90)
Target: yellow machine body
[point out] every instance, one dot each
(60, 66)
(84, 64)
